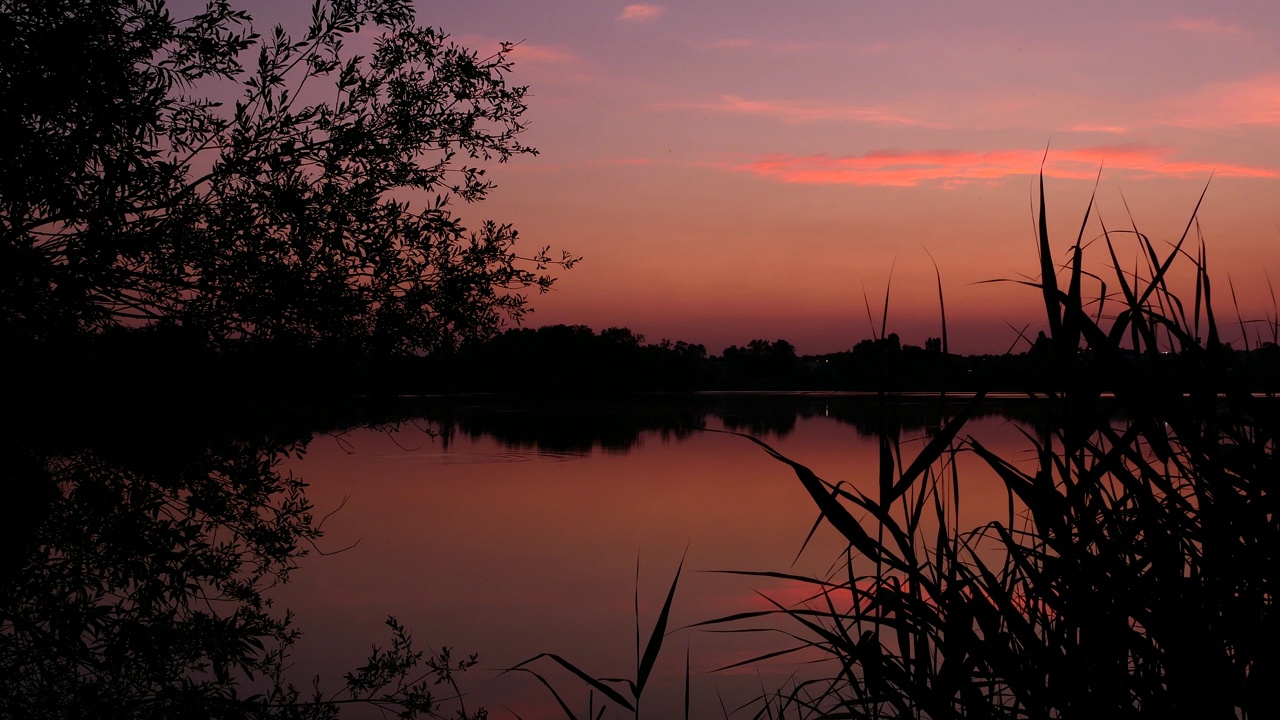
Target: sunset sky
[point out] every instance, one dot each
(740, 169)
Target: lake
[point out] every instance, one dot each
(508, 530)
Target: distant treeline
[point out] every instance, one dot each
(165, 361)
(562, 358)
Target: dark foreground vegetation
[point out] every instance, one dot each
(1134, 575)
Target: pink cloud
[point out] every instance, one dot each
(1208, 26)
(525, 52)
(956, 167)
(641, 13)
(522, 52)
(804, 113)
(1253, 101)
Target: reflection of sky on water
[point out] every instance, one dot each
(514, 551)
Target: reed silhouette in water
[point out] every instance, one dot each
(1134, 575)
(1135, 572)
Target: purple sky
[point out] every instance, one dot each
(741, 169)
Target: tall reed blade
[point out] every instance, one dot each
(686, 682)
(1214, 340)
(1048, 276)
(942, 305)
(884, 317)
(1274, 317)
(936, 447)
(636, 606)
(1074, 309)
(596, 683)
(866, 301)
(564, 707)
(1244, 336)
(1164, 267)
(887, 467)
(828, 505)
(659, 632)
(1199, 288)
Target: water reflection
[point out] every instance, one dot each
(138, 577)
(614, 425)
(513, 559)
(145, 557)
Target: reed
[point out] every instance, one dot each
(1133, 575)
(623, 693)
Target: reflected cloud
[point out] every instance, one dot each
(908, 169)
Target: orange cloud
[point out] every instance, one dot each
(1089, 128)
(953, 167)
(641, 13)
(804, 113)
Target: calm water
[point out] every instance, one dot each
(518, 532)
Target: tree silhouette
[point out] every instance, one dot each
(275, 186)
(761, 361)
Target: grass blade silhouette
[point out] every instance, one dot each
(596, 683)
(659, 632)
